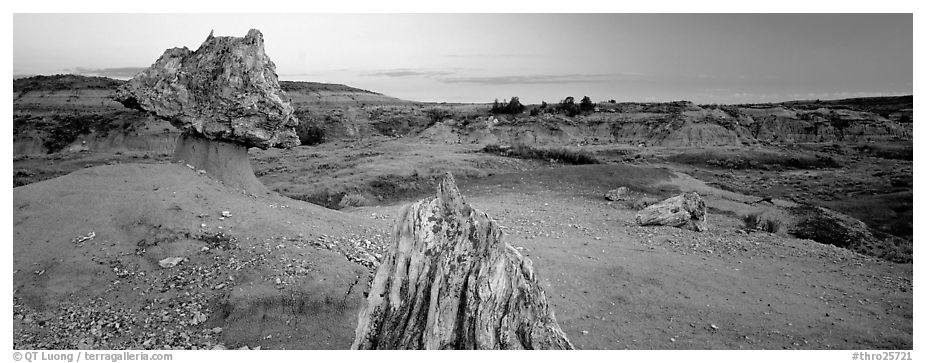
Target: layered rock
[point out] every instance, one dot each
(450, 282)
(686, 210)
(226, 90)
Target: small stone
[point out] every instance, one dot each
(219, 347)
(585, 332)
(216, 330)
(226, 214)
(714, 327)
(170, 262)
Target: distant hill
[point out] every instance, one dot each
(884, 106)
(67, 82)
(303, 86)
(61, 82)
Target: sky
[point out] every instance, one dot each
(705, 58)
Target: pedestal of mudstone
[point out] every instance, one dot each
(224, 161)
(450, 282)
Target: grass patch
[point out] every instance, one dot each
(558, 155)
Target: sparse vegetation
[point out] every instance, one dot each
(352, 200)
(586, 105)
(512, 107)
(559, 155)
(569, 107)
(751, 221)
(770, 225)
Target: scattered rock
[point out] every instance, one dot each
(450, 282)
(171, 262)
(84, 238)
(619, 194)
(686, 210)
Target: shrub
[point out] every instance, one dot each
(751, 222)
(352, 200)
(512, 107)
(436, 115)
(771, 225)
(569, 107)
(586, 104)
(310, 134)
(565, 156)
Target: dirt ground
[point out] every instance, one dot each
(287, 274)
(616, 285)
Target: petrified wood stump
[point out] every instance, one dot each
(450, 282)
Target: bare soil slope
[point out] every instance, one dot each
(262, 275)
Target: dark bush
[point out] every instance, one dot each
(569, 107)
(564, 156)
(512, 107)
(436, 115)
(310, 134)
(751, 221)
(586, 105)
(771, 225)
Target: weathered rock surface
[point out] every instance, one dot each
(450, 282)
(685, 210)
(619, 194)
(222, 161)
(226, 90)
(830, 227)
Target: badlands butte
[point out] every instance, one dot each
(799, 236)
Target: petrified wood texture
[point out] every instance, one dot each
(450, 282)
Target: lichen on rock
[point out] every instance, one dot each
(227, 90)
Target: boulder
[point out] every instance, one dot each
(450, 282)
(227, 90)
(685, 210)
(619, 194)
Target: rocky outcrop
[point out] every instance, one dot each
(450, 282)
(226, 90)
(830, 227)
(224, 97)
(685, 210)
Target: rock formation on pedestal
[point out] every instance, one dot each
(226, 90)
(450, 282)
(685, 210)
(224, 97)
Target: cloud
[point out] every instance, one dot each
(543, 78)
(119, 72)
(404, 72)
